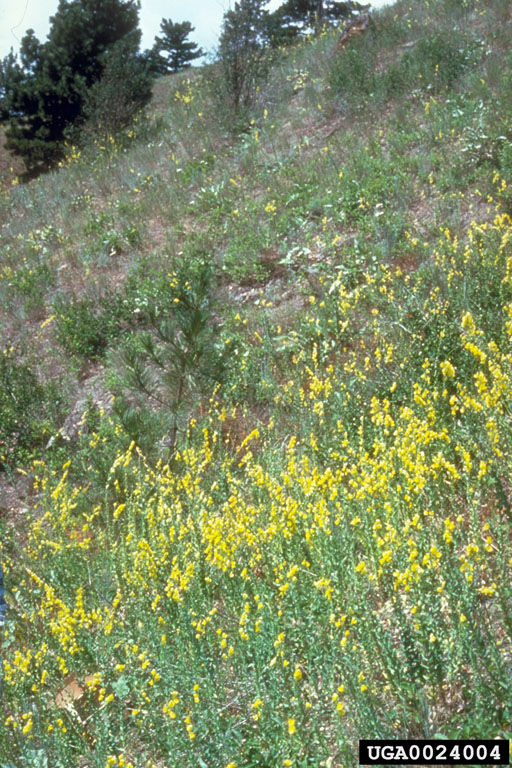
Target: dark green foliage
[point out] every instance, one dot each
(172, 51)
(242, 55)
(299, 17)
(48, 94)
(84, 327)
(91, 26)
(10, 72)
(432, 64)
(27, 410)
(119, 95)
(352, 75)
(436, 61)
(278, 32)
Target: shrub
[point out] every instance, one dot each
(437, 61)
(85, 328)
(352, 75)
(433, 64)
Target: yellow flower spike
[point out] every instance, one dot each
(291, 726)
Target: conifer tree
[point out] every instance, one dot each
(242, 52)
(296, 17)
(48, 94)
(10, 71)
(172, 51)
(114, 101)
(167, 368)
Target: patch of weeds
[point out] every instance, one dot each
(146, 289)
(99, 435)
(432, 65)
(131, 235)
(194, 170)
(84, 328)
(243, 269)
(435, 62)
(28, 409)
(353, 75)
(213, 200)
(30, 283)
(107, 238)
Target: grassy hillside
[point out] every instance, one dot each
(255, 414)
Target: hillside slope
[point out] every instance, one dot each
(255, 414)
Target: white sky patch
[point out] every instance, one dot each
(205, 16)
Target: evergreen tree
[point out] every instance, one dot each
(242, 52)
(49, 94)
(10, 72)
(114, 100)
(169, 367)
(172, 52)
(298, 17)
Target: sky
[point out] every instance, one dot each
(205, 16)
